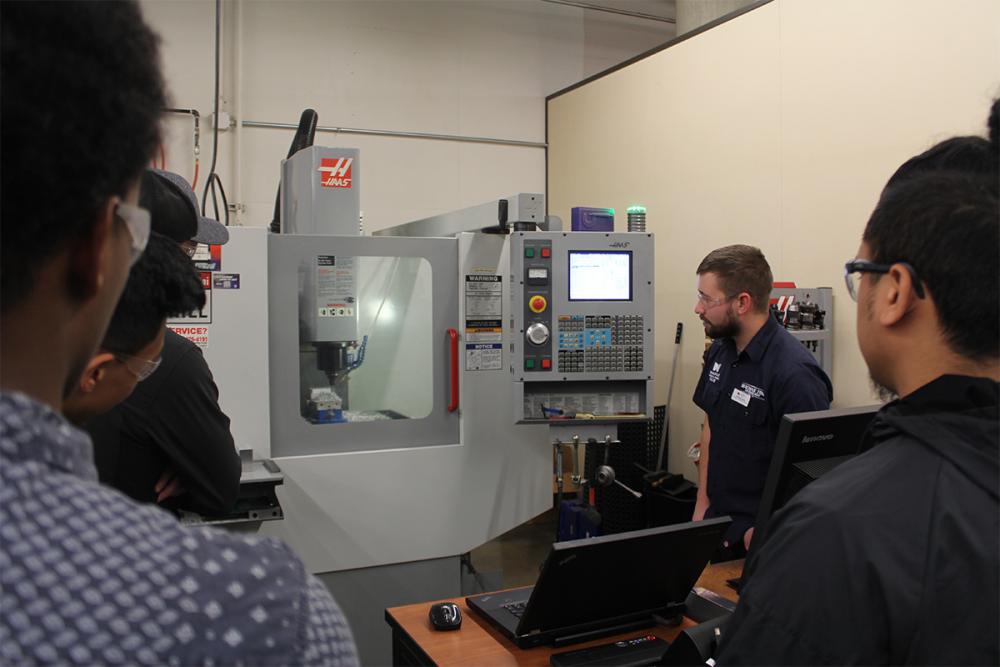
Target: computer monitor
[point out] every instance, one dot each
(600, 275)
(809, 445)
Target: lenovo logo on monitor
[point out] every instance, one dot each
(817, 438)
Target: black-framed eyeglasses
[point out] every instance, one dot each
(855, 267)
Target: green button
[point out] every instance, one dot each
(529, 252)
(529, 364)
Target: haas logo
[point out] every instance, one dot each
(335, 172)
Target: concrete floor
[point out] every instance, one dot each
(514, 558)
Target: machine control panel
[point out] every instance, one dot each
(580, 334)
(537, 317)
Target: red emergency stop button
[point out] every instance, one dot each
(537, 304)
(546, 252)
(546, 363)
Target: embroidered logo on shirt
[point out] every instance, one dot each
(755, 392)
(714, 375)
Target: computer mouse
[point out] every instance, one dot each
(446, 616)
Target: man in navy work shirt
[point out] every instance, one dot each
(755, 372)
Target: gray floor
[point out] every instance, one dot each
(513, 559)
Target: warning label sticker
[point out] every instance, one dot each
(207, 257)
(483, 294)
(334, 279)
(483, 317)
(483, 322)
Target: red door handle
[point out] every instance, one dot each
(453, 340)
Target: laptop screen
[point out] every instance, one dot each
(620, 577)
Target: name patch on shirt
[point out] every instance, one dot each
(755, 392)
(714, 374)
(741, 397)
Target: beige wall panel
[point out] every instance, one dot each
(692, 134)
(778, 129)
(866, 85)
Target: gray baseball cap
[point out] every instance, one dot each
(173, 207)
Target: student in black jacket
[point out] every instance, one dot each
(894, 557)
(162, 283)
(169, 442)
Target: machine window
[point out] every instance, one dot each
(365, 339)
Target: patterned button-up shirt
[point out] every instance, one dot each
(89, 576)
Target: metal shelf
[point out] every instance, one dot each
(621, 419)
(810, 334)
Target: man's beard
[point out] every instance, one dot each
(728, 329)
(884, 393)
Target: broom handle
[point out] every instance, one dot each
(670, 394)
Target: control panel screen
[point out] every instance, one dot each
(597, 275)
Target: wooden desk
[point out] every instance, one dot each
(415, 642)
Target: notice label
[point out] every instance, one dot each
(483, 356)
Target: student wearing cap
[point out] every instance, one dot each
(170, 441)
(162, 284)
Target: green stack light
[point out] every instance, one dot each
(637, 218)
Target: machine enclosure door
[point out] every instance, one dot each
(424, 372)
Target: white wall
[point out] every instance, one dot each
(779, 129)
(467, 67)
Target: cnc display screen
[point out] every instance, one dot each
(598, 275)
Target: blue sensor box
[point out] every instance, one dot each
(590, 219)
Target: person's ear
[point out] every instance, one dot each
(88, 257)
(95, 371)
(898, 295)
(743, 303)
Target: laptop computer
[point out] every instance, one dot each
(604, 585)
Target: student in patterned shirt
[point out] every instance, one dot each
(87, 576)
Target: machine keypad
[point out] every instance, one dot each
(600, 343)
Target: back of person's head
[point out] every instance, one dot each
(174, 209)
(967, 154)
(163, 283)
(741, 268)
(940, 213)
(82, 97)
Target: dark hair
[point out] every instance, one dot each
(971, 155)
(741, 268)
(82, 98)
(940, 213)
(162, 284)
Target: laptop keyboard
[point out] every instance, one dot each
(516, 608)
